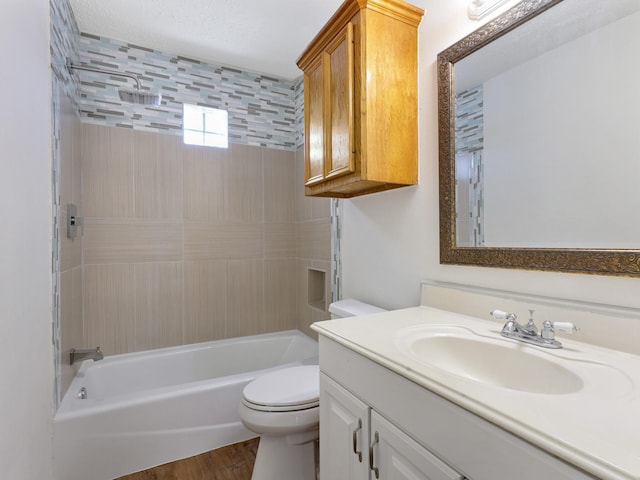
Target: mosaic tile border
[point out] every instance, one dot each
(469, 120)
(263, 110)
(299, 104)
(470, 141)
(63, 45)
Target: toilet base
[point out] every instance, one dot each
(278, 459)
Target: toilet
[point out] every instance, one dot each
(283, 407)
(350, 307)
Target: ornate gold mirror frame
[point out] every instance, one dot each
(579, 260)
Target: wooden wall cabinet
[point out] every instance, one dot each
(361, 100)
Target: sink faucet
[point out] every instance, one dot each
(529, 333)
(80, 354)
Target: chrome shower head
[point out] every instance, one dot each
(139, 97)
(130, 95)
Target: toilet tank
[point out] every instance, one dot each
(350, 307)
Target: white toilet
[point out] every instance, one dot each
(350, 307)
(283, 407)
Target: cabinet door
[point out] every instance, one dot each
(343, 433)
(395, 456)
(339, 68)
(314, 122)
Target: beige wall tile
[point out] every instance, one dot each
(279, 185)
(324, 266)
(159, 303)
(204, 187)
(303, 310)
(307, 208)
(70, 153)
(280, 293)
(245, 297)
(109, 307)
(244, 193)
(158, 175)
(70, 181)
(316, 316)
(320, 208)
(205, 310)
(132, 241)
(204, 241)
(107, 171)
(303, 204)
(313, 240)
(222, 221)
(306, 314)
(71, 328)
(279, 240)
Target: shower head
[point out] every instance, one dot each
(139, 97)
(131, 95)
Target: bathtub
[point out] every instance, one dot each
(148, 408)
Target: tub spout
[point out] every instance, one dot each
(80, 354)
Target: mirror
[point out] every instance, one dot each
(539, 140)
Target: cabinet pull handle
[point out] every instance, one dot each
(371, 467)
(351, 47)
(355, 441)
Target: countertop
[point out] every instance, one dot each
(596, 428)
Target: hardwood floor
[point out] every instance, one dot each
(233, 462)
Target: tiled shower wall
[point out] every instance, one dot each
(181, 244)
(71, 273)
(313, 248)
(261, 108)
(186, 244)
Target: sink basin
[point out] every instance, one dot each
(498, 363)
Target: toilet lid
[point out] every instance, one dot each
(297, 387)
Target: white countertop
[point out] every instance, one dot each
(596, 428)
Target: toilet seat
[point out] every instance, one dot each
(285, 390)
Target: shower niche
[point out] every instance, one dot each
(316, 289)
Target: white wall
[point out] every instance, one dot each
(589, 165)
(391, 239)
(26, 353)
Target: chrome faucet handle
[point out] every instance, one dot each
(565, 327)
(502, 315)
(511, 326)
(549, 328)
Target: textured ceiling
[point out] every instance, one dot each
(264, 36)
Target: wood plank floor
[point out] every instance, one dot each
(233, 462)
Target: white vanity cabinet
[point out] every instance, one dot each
(395, 456)
(420, 435)
(358, 443)
(344, 433)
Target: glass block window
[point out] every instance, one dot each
(204, 126)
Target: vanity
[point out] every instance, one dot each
(428, 393)
(435, 391)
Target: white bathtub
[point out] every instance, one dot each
(149, 408)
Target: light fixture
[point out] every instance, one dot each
(479, 9)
